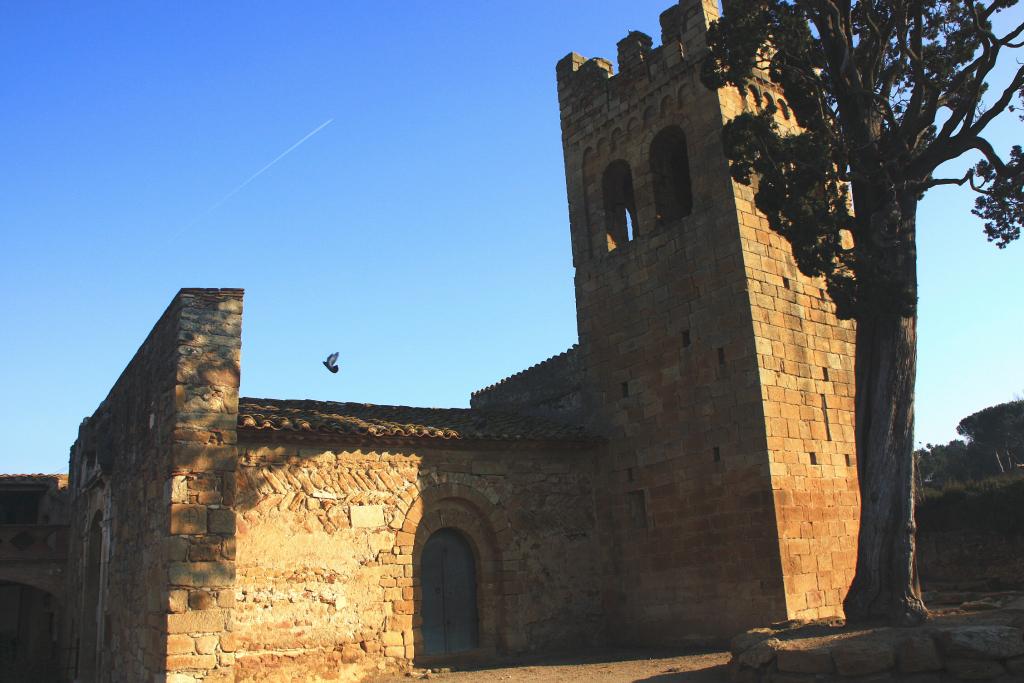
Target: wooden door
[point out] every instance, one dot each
(448, 585)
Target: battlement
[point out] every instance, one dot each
(548, 389)
(683, 40)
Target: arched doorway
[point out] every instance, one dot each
(28, 629)
(449, 604)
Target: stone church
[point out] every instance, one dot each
(685, 471)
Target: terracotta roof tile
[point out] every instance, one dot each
(367, 419)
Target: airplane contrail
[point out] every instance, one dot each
(258, 173)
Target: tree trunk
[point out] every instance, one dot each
(885, 586)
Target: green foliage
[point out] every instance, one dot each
(993, 445)
(885, 91)
(954, 463)
(1001, 203)
(998, 430)
(995, 504)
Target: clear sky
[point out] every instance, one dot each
(423, 233)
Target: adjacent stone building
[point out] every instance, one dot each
(684, 472)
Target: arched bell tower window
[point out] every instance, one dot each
(619, 204)
(670, 168)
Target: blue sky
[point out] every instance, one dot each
(423, 233)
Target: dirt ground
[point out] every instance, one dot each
(610, 666)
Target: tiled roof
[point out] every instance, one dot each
(44, 479)
(367, 419)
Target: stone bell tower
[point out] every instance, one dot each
(718, 372)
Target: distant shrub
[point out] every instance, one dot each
(995, 504)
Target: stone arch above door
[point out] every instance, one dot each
(487, 530)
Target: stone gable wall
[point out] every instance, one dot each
(154, 466)
(329, 541)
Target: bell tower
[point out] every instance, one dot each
(718, 373)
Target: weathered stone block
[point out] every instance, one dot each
(180, 644)
(206, 645)
(205, 621)
(760, 654)
(982, 642)
(199, 600)
(229, 641)
(366, 516)
(177, 601)
(860, 658)
(188, 519)
(201, 574)
(203, 458)
(221, 521)
(918, 653)
(187, 662)
(794, 660)
(974, 669)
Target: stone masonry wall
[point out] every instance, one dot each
(550, 389)
(805, 358)
(329, 539)
(153, 467)
(669, 352)
(703, 352)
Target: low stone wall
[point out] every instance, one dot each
(965, 559)
(949, 652)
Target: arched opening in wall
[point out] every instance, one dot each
(670, 169)
(28, 633)
(88, 640)
(619, 204)
(448, 580)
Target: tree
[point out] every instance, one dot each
(953, 463)
(885, 92)
(997, 431)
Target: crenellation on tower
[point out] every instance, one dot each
(634, 52)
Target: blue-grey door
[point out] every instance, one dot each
(448, 585)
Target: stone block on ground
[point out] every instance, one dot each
(974, 669)
(860, 658)
(808, 661)
(916, 654)
(982, 642)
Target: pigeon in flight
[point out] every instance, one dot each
(332, 362)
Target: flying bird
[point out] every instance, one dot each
(332, 362)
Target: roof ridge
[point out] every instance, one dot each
(369, 419)
(533, 367)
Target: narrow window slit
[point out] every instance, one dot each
(824, 411)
